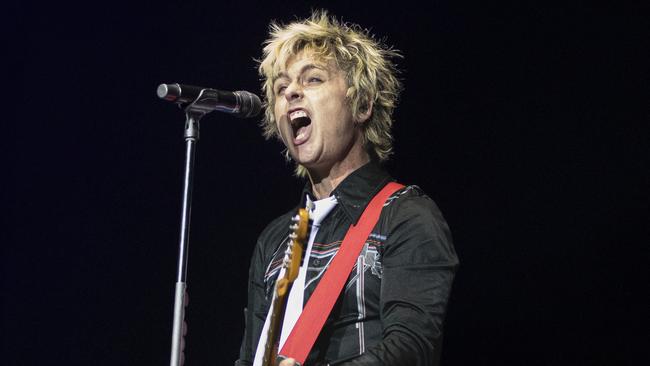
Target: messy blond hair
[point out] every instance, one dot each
(370, 73)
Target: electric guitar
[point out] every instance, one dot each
(291, 265)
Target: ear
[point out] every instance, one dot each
(365, 111)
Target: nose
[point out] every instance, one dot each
(293, 91)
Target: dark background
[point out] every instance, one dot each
(527, 122)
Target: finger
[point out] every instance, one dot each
(288, 362)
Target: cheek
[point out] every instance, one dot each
(279, 124)
(341, 112)
(276, 108)
(277, 116)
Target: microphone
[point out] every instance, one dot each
(240, 104)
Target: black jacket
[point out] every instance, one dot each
(392, 308)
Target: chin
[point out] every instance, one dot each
(303, 155)
(307, 163)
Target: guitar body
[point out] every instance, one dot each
(291, 266)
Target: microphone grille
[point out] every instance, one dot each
(169, 92)
(251, 105)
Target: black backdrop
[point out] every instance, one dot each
(525, 121)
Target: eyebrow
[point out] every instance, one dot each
(306, 67)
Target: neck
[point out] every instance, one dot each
(323, 182)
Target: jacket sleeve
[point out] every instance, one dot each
(254, 313)
(419, 263)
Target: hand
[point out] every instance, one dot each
(288, 362)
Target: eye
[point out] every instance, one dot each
(314, 79)
(280, 89)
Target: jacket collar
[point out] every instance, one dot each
(357, 189)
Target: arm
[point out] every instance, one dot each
(419, 262)
(257, 306)
(254, 311)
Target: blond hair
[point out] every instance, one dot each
(370, 73)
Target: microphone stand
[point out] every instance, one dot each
(193, 113)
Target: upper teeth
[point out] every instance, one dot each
(297, 114)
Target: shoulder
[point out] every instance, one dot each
(414, 224)
(411, 203)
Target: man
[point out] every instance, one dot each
(330, 90)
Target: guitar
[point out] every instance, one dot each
(291, 264)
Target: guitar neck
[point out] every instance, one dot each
(283, 285)
(275, 327)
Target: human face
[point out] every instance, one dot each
(314, 118)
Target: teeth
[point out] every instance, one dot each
(297, 114)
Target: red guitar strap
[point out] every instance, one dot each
(320, 304)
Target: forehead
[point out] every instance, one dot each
(289, 65)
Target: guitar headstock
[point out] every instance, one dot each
(299, 229)
(300, 226)
(293, 256)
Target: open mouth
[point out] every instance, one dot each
(300, 123)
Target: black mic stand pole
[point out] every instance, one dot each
(193, 113)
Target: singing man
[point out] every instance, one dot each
(330, 91)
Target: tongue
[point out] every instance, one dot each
(300, 134)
